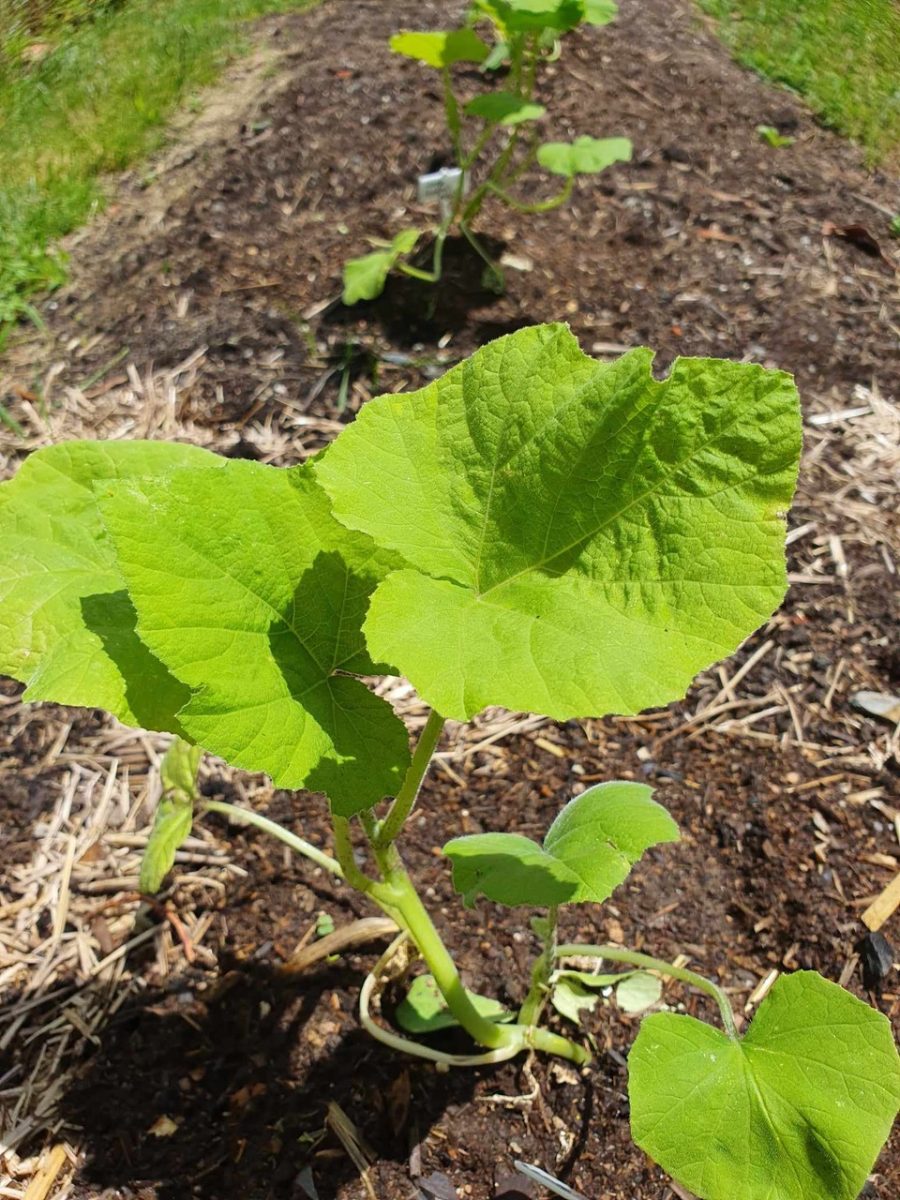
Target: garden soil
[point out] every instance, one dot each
(204, 305)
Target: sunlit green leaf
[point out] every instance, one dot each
(67, 626)
(424, 1010)
(798, 1108)
(534, 16)
(581, 537)
(253, 595)
(600, 12)
(584, 156)
(441, 49)
(504, 108)
(588, 851)
(365, 277)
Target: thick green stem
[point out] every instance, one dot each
(619, 954)
(413, 916)
(245, 816)
(409, 790)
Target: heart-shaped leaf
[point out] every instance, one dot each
(581, 538)
(584, 156)
(67, 626)
(504, 108)
(441, 49)
(600, 12)
(424, 1010)
(252, 594)
(365, 277)
(535, 16)
(798, 1108)
(588, 851)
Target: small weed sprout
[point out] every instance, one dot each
(494, 136)
(535, 530)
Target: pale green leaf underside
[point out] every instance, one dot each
(440, 49)
(581, 538)
(365, 277)
(253, 596)
(171, 825)
(424, 1010)
(588, 851)
(504, 108)
(600, 12)
(797, 1109)
(584, 156)
(67, 627)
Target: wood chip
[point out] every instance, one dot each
(883, 906)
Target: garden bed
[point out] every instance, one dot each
(204, 307)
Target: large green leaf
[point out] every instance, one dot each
(588, 851)
(440, 49)
(584, 156)
(581, 538)
(797, 1109)
(254, 596)
(67, 626)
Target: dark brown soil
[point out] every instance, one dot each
(710, 242)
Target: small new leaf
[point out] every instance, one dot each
(365, 277)
(588, 851)
(424, 1010)
(504, 108)
(536, 16)
(575, 992)
(252, 595)
(600, 12)
(799, 1107)
(67, 625)
(581, 537)
(638, 992)
(441, 49)
(584, 156)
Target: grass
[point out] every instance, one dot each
(843, 56)
(95, 103)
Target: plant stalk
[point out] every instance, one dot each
(405, 800)
(542, 969)
(620, 954)
(245, 816)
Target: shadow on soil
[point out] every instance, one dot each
(224, 1093)
(409, 311)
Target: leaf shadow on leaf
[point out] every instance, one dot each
(154, 695)
(352, 717)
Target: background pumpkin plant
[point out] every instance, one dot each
(536, 530)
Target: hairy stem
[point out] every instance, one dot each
(245, 816)
(619, 954)
(409, 790)
(539, 991)
(540, 206)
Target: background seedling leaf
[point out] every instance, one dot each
(253, 595)
(528, 16)
(638, 992)
(600, 12)
(441, 49)
(424, 1010)
(584, 156)
(581, 538)
(588, 851)
(503, 108)
(67, 626)
(365, 277)
(800, 1107)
